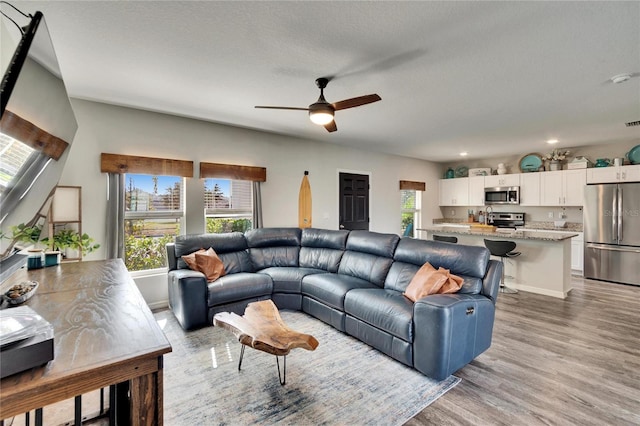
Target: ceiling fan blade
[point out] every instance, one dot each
(355, 102)
(281, 107)
(331, 127)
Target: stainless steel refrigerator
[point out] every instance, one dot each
(612, 232)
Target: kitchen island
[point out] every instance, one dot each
(544, 267)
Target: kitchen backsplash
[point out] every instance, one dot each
(569, 226)
(532, 214)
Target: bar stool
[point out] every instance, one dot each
(445, 238)
(503, 249)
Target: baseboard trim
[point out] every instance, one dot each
(162, 304)
(537, 290)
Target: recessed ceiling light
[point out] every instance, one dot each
(552, 141)
(464, 154)
(620, 78)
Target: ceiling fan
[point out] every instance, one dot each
(321, 112)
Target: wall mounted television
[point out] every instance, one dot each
(37, 127)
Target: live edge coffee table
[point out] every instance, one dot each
(262, 328)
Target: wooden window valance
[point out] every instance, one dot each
(31, 135)
(116, 163)
(231, 171)
(407, 184)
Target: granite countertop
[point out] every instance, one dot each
(547, 226)
(511, 234)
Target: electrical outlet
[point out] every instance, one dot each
(550, 215)
(453, 212)
(561, 215)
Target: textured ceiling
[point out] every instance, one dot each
(489, 78)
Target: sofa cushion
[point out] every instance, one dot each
(330, 289)
(237, 261)
(373, 243)
(324, 238)
(387, 310)
(287, 279)
(461, 260)
(233, 243)
(273, 237)
(322, 249)
(273, 247)
(240, 286)
(368, 256)
(365, 266)
(471, 261)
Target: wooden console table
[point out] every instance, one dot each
(104, 334)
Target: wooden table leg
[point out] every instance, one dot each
(146, 398)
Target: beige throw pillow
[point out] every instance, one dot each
(428, 281)
(207, 262)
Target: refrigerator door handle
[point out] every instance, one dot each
(613, 248)
(619, 214)
(614, 215)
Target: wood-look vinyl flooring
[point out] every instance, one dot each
(553, 362)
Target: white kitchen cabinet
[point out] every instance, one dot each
(502, 180)
(454, 192)
(577, 254)
(614, 174)
(476, 191)
(562, 188)
(530, 189)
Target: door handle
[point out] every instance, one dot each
(341, 226)
(620, 211)
(613, 248)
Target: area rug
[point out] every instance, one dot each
(342, 382)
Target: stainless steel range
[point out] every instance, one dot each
(506, 220)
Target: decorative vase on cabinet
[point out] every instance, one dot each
(502, 169)
(554, 165)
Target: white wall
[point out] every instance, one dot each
(118, 130)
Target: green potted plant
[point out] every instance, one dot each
(64, 239)
(25, 234)
(84, 243)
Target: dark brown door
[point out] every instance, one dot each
(354, 201)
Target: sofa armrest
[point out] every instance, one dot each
(171, 256)
(491, 280)
(188, 294)
(450, 330)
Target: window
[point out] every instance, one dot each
(410, 202)
(14, 156)
(20, 167)
(154, 209)
(228, 205)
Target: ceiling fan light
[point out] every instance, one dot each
(321, 112)
(321, 117)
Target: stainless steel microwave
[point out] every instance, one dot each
(502, 195)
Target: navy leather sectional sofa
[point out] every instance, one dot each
(352, 280)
